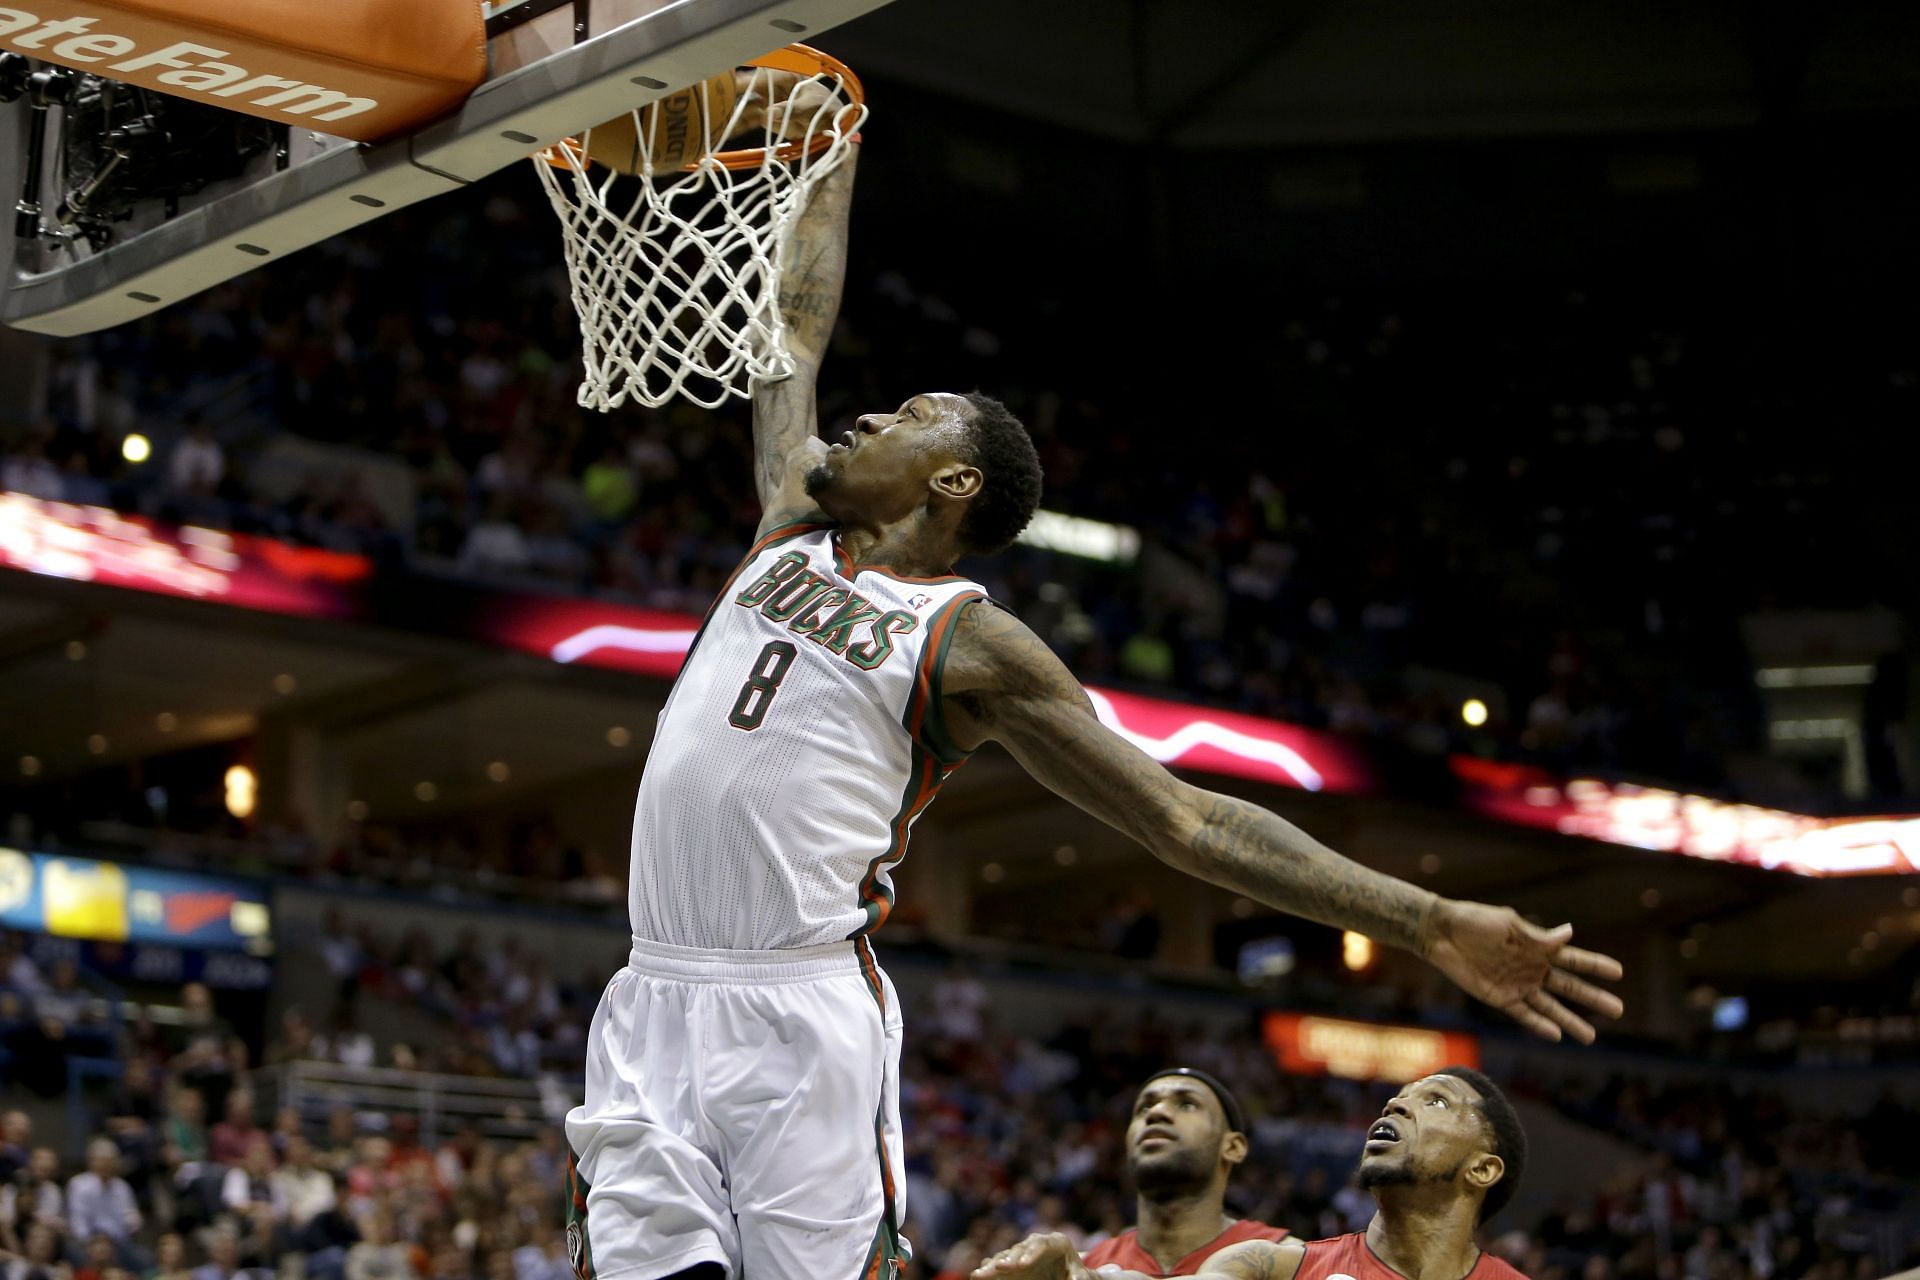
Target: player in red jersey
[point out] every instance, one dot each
(1446, 1154)
(1186, 1137)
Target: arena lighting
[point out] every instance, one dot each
(1696, 826)
(1474, 712)
(1306, 1044)
(1078, 536)
(94, 544)
(1829, 729)
(1836, 676)
(1356, 950)
(136, 448)
(242, 789)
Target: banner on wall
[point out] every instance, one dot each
(1697, 826)
(1311, 1045)
(92, 900)
(93, 544)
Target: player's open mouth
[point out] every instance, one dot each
(1384, 1134)
(845, 443)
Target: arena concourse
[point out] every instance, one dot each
(1501, 482)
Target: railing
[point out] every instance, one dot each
(444, 1104)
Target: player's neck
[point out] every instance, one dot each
(911, 548)
(1425, 1233)
(1169, 1230)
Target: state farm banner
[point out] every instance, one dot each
(1308, 1044)
(361, 69)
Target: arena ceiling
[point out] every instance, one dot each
(1225, 73)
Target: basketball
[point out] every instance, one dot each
(681, 127)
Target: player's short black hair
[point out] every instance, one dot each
(1509, 1137)
(998, 444)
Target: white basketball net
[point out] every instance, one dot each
(676, 275)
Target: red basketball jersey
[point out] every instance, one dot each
(1348, 1258)
(1124, 1250)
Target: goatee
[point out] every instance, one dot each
(1400, 1175)
(1174, 1176)
(819, 477)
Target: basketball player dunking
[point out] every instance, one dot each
(741, 1111)
(1445, 1155)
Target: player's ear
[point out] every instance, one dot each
(1233, 1149)
(1484, 1170)
(957, 480)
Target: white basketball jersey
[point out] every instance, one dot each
(801, 741)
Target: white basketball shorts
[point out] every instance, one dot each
(742, 1107)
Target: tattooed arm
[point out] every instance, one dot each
(786, 435)
(1002, 684)
(1255, 1260)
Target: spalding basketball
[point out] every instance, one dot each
(680, 128)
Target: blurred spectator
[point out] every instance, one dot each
(27, 470)
(250, 1187)
(378, 1256)
(99, 1201)
(170, 1259)
(32, 1195)
(496, 544)
(39, 1257)
(16, 1143)
(223, 1258)
(959, 1004)
(230, 1141)
(101, 1258)
(198, 463)
(307, 1192)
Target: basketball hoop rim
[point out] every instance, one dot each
(801, 59)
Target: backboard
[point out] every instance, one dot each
(266, 189)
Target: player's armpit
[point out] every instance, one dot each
(1002, 684)
(1255, 1260)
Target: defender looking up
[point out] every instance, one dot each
(1446, 1154)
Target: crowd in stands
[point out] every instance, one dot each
(187, 1174)
(1584, 548)
(496, 1011)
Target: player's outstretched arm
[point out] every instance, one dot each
(1053, 1257)
(1001, 683)
(786, 433)
(1050, 1256)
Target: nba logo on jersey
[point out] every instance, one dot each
(920, 601)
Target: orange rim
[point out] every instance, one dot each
(801, 59)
